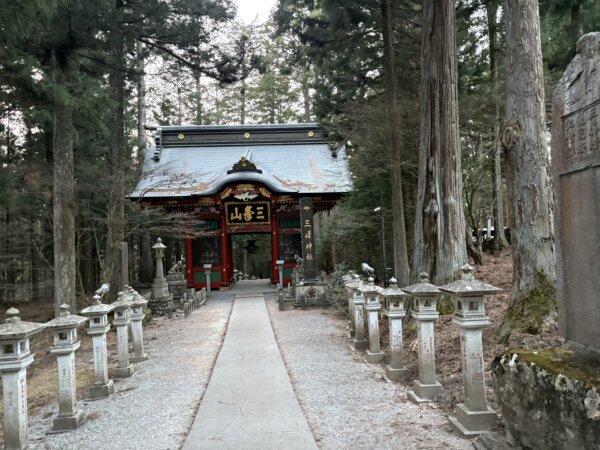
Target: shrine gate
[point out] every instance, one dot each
(242, 179)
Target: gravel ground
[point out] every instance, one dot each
(346, 401)
(155, 407)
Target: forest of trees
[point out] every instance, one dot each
(425, 95)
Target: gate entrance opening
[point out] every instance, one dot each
(252, 255)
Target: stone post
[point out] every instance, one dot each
(395, 310)
(122, 266)
(424, 310)
(65, 344)
(15, 357)
(372, 307)
(359, 342)
(98, 327)
(137, 330)
(280, 267)
(160, 287)
(474, 416)
(207, 268)
(121, 321)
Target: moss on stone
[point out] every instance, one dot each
(583, 368)
(445, 305)
(528, 313)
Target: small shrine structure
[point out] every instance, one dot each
(243, 179)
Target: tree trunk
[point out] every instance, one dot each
(395, 147)
(141, 99)
(146, 263)
(439, 220)
(116, 205)
(500, 241)
(524, 140)
(65, 269)
(306, 96)
(198, 98)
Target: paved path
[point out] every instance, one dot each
(249, 402)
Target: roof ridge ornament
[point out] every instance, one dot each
(244, 165)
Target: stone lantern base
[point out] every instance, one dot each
(124, 372)
(423, 393)
(373, 357)
(394, 374)
(67, 423)
(138, 359)
(100, 391)
(360, 344)
(469, 424)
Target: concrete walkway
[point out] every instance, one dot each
(249, 402)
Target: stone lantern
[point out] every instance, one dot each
(98, 327)
(352, 287)
(121, 321)
(137, 306)
(207, 268)
(15, 357)
(474, 416)
(160, 286)
(395, 310)
(65, 344)
(279, 263)
(373, 306)
(424, 309)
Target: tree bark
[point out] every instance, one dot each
(198, 98)
(500, 241)
(116, 201)
(141, 99)
(439, 221)
(524, 141)
(146, 263)
(395, 147)
(65, 269)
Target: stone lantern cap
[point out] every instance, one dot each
(369, 287)
(423, 287)
(138, 299)
(97, 308)
(393, 291)
(159, 245)
(123, 301)
(354, 282)
(467, 286)
(14, 328)
(66, 320)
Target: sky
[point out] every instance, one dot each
(248, 10)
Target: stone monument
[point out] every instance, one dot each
(576, 172)
(395, 310)
(474, 416)
(98, 327)
(65, 344)
(161, 301)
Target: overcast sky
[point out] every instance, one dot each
(248, 10)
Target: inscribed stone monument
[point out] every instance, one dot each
(576, 172)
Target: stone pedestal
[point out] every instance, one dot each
(65, 344)
(474, 416)
(98, 327)
(137, 306)
(424, 310)
(395, 310)
(396, 368)
(374, 353)
(359, 342)
(207, 268)
(121, 321)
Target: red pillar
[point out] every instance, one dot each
(189, 274)
(274, 246)
(225, 255)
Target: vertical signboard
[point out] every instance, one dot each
(308, 239)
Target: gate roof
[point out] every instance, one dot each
(201, 160)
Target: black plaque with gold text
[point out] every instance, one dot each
(308, 239)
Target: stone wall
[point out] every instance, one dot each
(548, 399)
